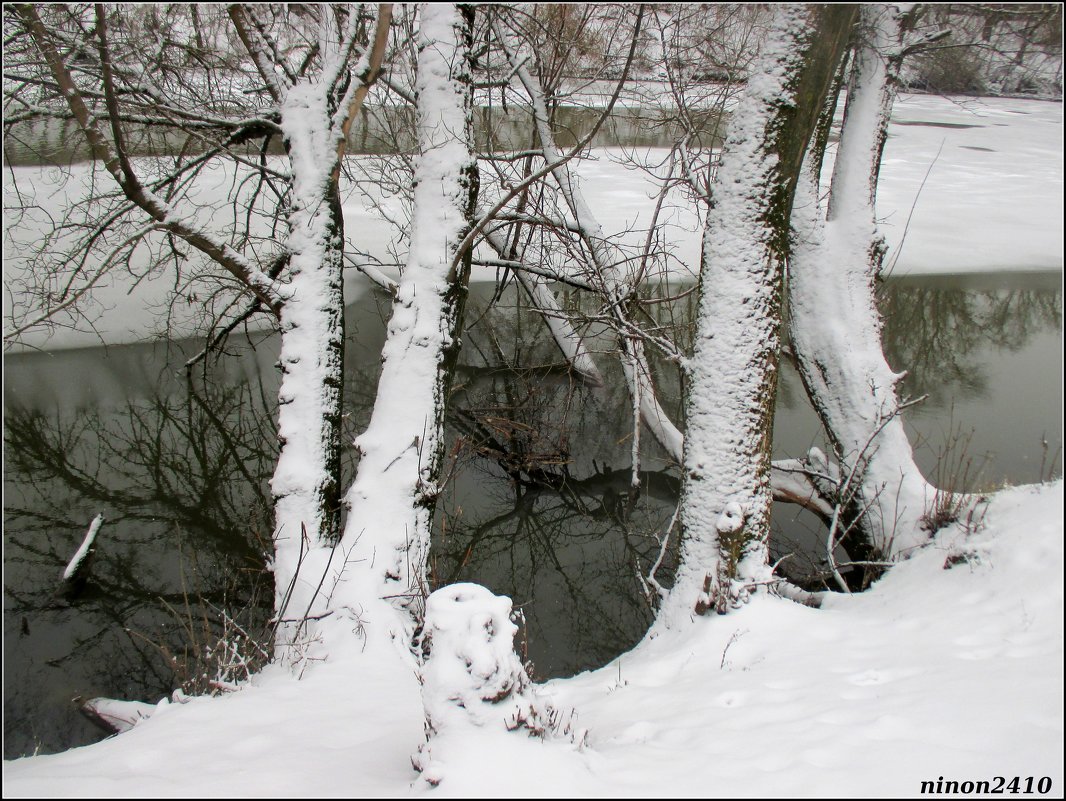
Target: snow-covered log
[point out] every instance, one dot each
(733, 372)
(474, 686)
(116, 716)
(835, 323)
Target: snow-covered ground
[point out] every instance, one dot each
(980, 181)
(952, 674)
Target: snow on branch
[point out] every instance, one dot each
(264, 53)
(553, 164)
(118, 165)
(79, 563)
(366, 73)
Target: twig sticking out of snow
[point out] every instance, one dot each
(79, 563)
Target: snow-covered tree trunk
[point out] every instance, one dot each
(305, 484)
(314, 116)
(387, 533)
(787, 481)
(312, 110)
(835, 324)
(729, 398)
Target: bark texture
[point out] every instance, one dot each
(386, 538)
(725, 512)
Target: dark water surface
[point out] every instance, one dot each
(537, 506)
(382, 130)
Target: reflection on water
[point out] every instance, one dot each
(180, 482)
(382, 130)
(940, 332)
(538, 504)
(541, 507)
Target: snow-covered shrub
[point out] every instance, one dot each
(219, 647)
(473, 683)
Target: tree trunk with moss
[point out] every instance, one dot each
(729, 401)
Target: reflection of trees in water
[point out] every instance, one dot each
(539, 505)
(937, 333)
(181, 476)
(180, 480)
(569, 553)
(195, 463)
(559, 529)
(547, 520)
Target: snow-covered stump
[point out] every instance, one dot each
(729, 398)
(474, 686)
(835, 323)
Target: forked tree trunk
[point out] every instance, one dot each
(835, 323)
(306, 481)
(788, 484)
(729, 400)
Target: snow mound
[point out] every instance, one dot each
(473, 683)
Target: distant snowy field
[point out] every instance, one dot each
(993, 196)
(934, 673)
(980, 180)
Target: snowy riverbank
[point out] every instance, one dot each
(935, 673)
